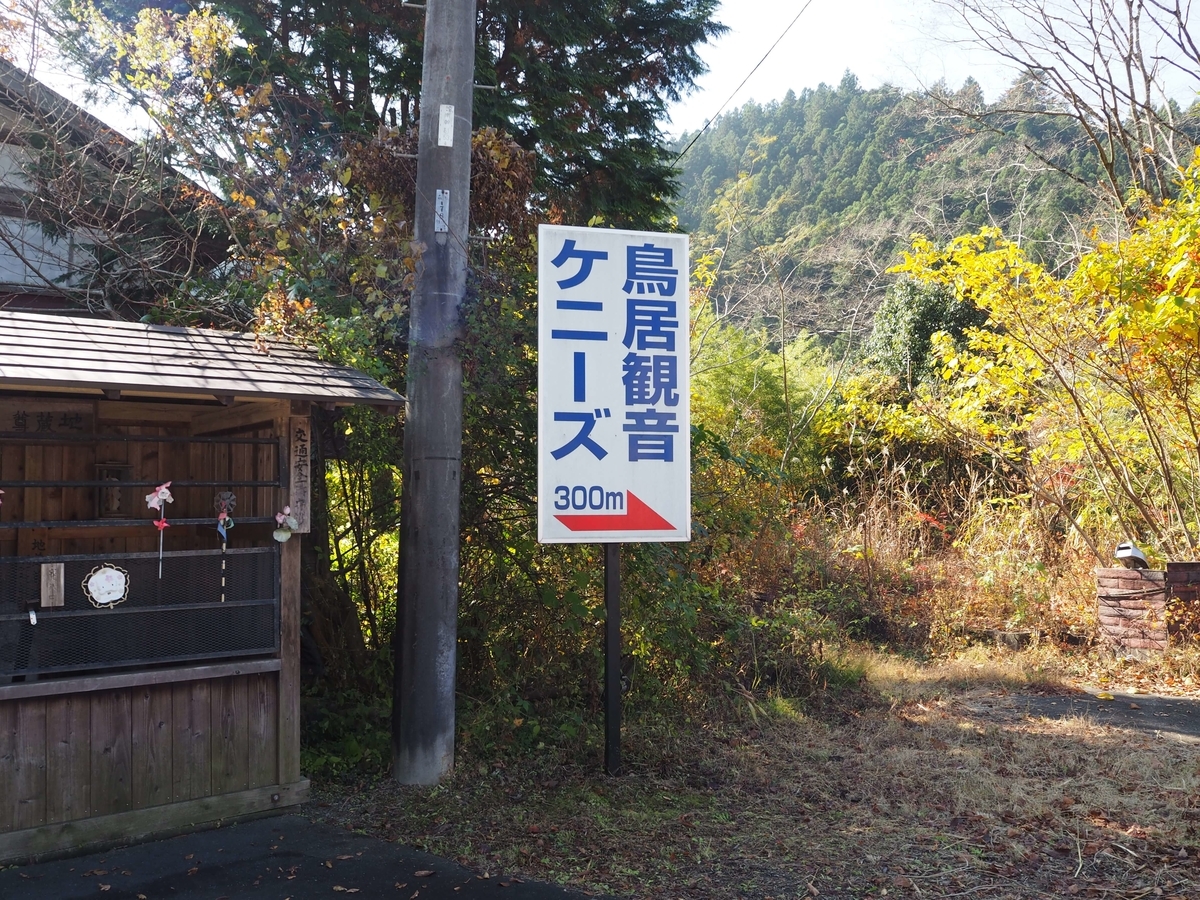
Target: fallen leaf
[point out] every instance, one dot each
(400, 886)
(105, 887)
(193, 870)
(95, 872)
(189, 856)
(328, 864)
(423, 873)
(141, 897)
(1105, 695)
(347, 856)
(812, 889)
(1134, 706)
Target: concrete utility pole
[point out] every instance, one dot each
(425, 643)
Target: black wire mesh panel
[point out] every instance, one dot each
(177, 618)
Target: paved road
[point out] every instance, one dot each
(1173, 718)
(267, 859)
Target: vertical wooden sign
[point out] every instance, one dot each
(53, 584)
(300, 470)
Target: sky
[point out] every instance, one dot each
(901, 42)
(880, 41)
(910, 44)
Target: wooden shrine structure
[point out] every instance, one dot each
(146, 691)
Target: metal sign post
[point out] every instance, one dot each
(612, 659)
(614, 449)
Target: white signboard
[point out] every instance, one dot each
(614, 441)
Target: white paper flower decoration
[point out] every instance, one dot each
(106, 586)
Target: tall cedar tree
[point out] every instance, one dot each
(582, 83)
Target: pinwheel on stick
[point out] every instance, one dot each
(157, 500)
(225, 503)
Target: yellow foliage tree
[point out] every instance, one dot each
(1087, 382)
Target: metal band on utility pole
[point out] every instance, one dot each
(427, 610)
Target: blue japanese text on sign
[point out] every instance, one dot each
(614, 451)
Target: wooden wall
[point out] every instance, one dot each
(76, 756)
(150, 461)
(104, 759)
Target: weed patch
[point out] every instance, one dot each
(908, 784)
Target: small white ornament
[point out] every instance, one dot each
(106, 586)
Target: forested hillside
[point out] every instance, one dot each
(811, 197)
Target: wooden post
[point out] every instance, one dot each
(289, 622)
(426, 635)
(289, 657)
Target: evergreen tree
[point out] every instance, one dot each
(582, 83)
(829, 183)
(909, 316)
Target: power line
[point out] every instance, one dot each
(744, 80)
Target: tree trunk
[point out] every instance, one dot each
(328, 611)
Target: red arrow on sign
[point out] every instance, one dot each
(639, 517)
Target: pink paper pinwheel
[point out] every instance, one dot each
(160, 495)
(156, 500)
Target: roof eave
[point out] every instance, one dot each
(392, 404)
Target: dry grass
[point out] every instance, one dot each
(903, 680)
(932, 783)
